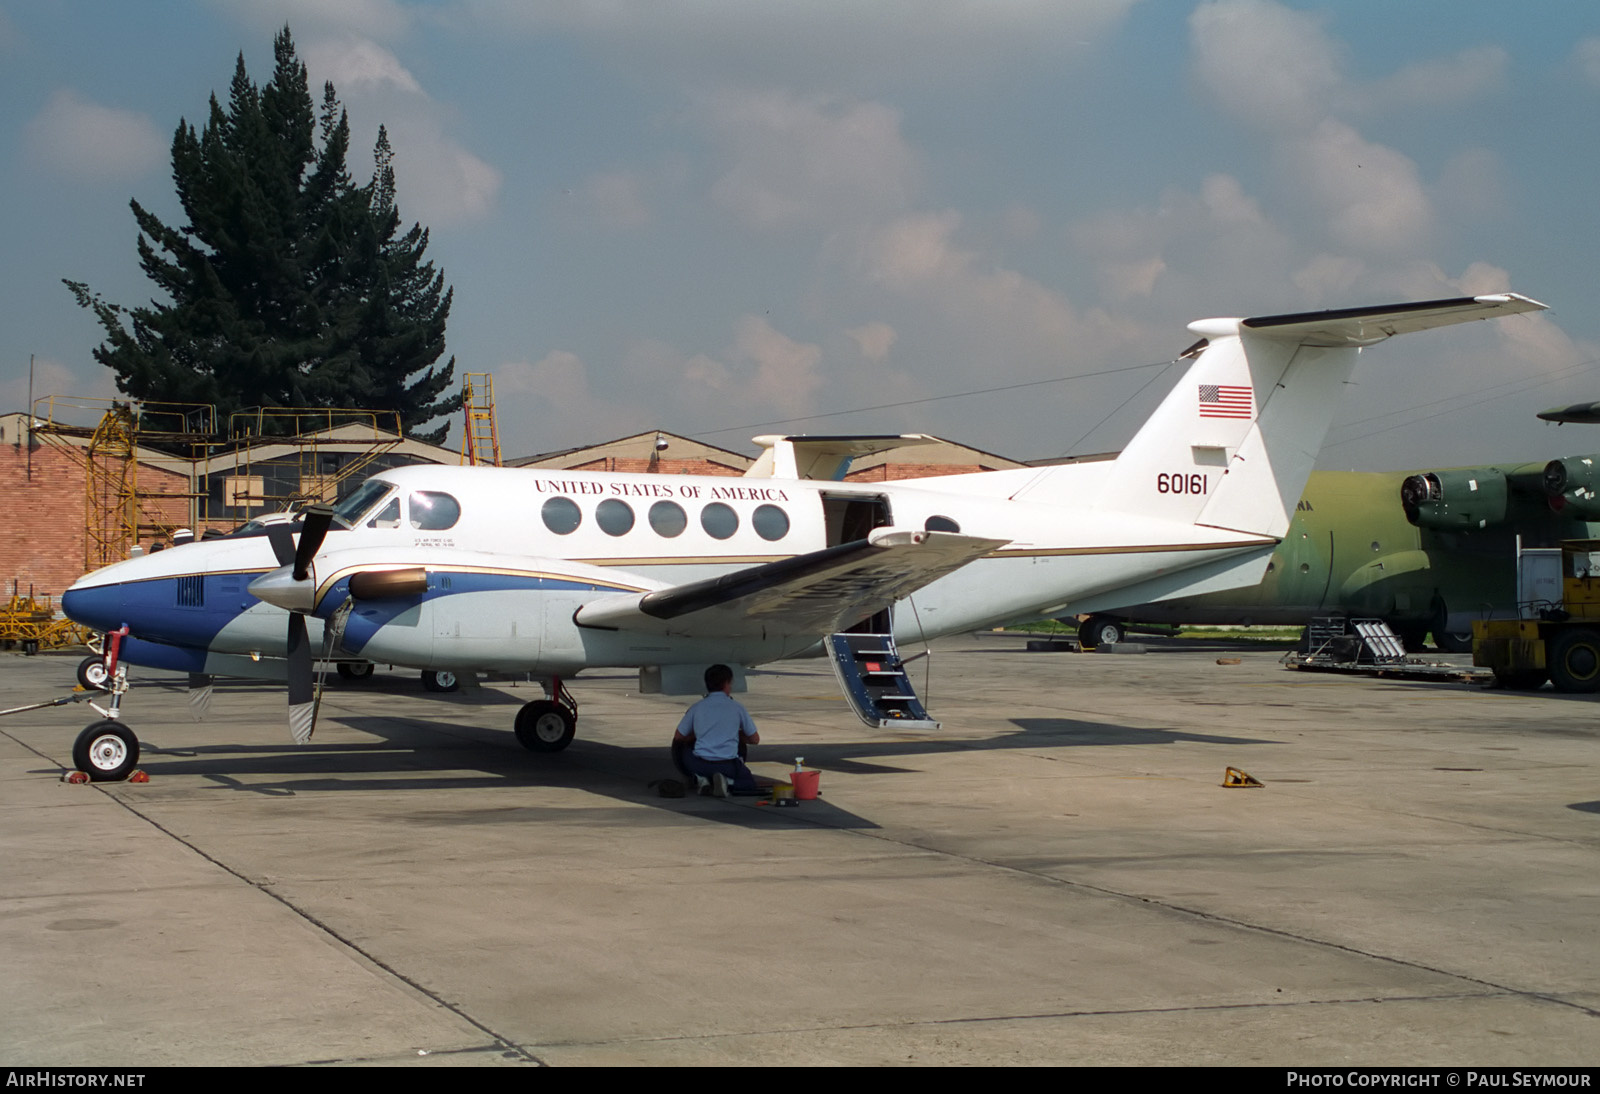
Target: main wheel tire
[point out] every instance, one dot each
(1520, 680)
(1457, 642)
(545, 726)
(440, 681)
(1575, 661)
(1099, 631)
(354, 670)
(107, 750)
(92, 674)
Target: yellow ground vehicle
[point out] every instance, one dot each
(35, 625)
(1556, 638)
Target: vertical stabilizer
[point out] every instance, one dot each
(1234, 442)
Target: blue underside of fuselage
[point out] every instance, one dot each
(179, 616)
(159, 655)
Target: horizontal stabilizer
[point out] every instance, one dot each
(1367, 326)
(811, 594)
(827, 458)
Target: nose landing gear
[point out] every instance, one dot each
(107, 750)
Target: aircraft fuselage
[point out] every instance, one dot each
(511, 554)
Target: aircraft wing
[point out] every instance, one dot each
(1366, 326)
(812, 594)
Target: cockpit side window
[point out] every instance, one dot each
(348, 513)
(434, 511)
(389, 517)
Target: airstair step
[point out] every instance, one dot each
(872, 676)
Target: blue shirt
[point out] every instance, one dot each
(716, 722)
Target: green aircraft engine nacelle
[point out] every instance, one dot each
(1573, 485)
(1454, 501)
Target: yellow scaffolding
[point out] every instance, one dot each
(111, 488)
(312, 432)
(117, 514)
(482, 440)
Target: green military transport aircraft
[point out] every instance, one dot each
(1426, 551)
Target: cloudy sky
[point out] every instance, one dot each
(728, 217)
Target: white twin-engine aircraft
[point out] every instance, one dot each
(532, 571)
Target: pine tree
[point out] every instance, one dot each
(289, 286)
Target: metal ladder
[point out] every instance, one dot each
(481, 445)
(873, 679)
(1382, 644)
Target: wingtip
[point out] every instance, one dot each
(1522, 303)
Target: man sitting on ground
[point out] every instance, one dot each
(716, 726)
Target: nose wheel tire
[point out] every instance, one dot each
(107, 750)
(545, 726)
(440, 681)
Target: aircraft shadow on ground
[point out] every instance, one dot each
(1066, 731)
(423, 754)
(420, 754)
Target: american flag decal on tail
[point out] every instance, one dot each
(1224, 401)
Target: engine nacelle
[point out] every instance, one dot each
(1455, 501)
(1573, 485)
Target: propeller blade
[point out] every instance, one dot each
(314, 524)
(302, 692)
(282, 540)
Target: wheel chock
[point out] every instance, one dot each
(141, 776)
(77, 778)
(1236, 779)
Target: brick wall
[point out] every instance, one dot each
(41, 533)
(42, 517)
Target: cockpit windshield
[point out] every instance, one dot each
(350, 511)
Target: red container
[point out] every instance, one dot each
(805, 784)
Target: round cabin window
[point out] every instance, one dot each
(770, 522)
(561, 515)
(719, 521)
(668, 519)
(614, 517)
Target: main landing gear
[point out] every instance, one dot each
(1099, 630)
(440, 681)
(548, 725)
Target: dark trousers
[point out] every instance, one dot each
(738, 775)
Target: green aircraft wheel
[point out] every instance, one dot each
(1575, 661)
(1413, 639)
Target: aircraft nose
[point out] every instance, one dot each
(97, 606)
